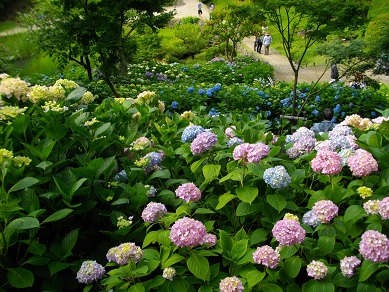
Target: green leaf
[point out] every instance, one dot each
(44, 164)
(24, 223)
(226, 241)
(138, 287)
(196, 164)
(292, 266)
(366, 287)
(204, 211)
(100, 130)
(150, 237)
(7, 210)
(76, 94)
(271, 288)
(326, 244)
(368, 268)
(199, 266)
(23, 184)
(245, 209)
(58, 215)
(254, 277)
(179, 285)
(211, 171)
(278, 202)
(70, 241)
(318, 286)
(354, 213)
(239, 249)
(20, 278)
(55, 267)
(175, 258)
(164, 174)
(37, 261)
(247, 194)
(374, 139)
(259, 235)
(205, 288)
(224, 199)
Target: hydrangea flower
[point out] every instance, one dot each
(362, 163)
(384, 208)
(310, 218)
(317, 270)
(325, 210)
(372, 207)
(288, 232)
(365, 192)
(187, 232)
(374, 246)
(14, 87)
(210, 239)
(230, 132)
(327, 162)
(231, 284)
(188, 192)
(203, 142)
(121, 177)
(251, 152)
(234, 141)
(266, 256)
(277, 177)
(348, 264)
(357, 122)
(151, 191)
(190, 133)
(345, 154)
(154, 158)
(339, 130)
(188, 115)
(124, 253)
(174, 105)
(169, 273)
(153, 212)
(89, 272)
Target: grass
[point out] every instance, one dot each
(40, 64)
(7, 25)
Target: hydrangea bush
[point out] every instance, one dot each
(204, 213)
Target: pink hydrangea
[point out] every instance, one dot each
(203, 142)
(153, 212)
(348, 264)
(230, 132)
(384, 208)
(317, 270)
(210, 239)
(187, 232)
(124, 253)
(288, 232)
(266, 256)
(325, 210)
(188, 192)
(231, 284)
(362, 163)
(374, 246)
(372, 207)
(251, 152)
(327, 162)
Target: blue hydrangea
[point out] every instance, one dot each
(217, 87)
(350, 105)
(213, 112)
(267, 95)
(190, 133)
(174, 105)
(310, 218)
(373, 114)
(336, 97)
(184, 69)
(268, 103)
(337, 109)
(317, 98)
(190, 89)
(338, 142)
(261, 93)
(268, 113)
(286, 102)
(244, 92)
(315, 112)
(155, 158)
(234, 141)
(277, 121)
(277, 177)
(302, 95)
(343, 114)
(121, 177)
(196, 66)
(312, 106)
(333, 120)
(201, 91)
(209, 92)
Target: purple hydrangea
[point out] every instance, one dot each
(155, 158)
(203, 142)
(339, 130)
(327, 162)
(188, 192)
(187, 232)
(210, 239)
(384, 208)
(311, 219)
(325, 210)
(190, 133)
(362, 163)
(89, 272)
(231, 284)
(348, 264)
(277, 177)
(288, 232)
(153, 212)
(317, 270)
(266, 256)
(374, 246)
(124, 253)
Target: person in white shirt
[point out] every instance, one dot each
(267, 40)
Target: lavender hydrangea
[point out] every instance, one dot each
(188, 192)
(317, 270)
(231, 284)
(348, 264)
(89, 272)
(310, 218)
(124, 253)
(203, 142)
(169, 273)
(374, 246)
(153, 212)
(277, 177)
(266, 256)
(339, 130)
(288, 232)
(384, 208)
(327, 162)
(187, 232)
(190, 133)
(234, 141)
(362, 163)
(325, 210)
(154, 158)
(210, 240)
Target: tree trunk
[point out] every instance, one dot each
(89, 69)
(122, 62)
(296, 77)
(111, 86)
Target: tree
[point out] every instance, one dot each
(313, 21)
(232, 24)
(93, 33)
(192, 41)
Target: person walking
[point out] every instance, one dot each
(334, 75)
(267, 40)
(211, 8)
(258, 43)
(199, 9)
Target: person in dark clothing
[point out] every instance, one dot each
(334, 73)
(326, 125)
